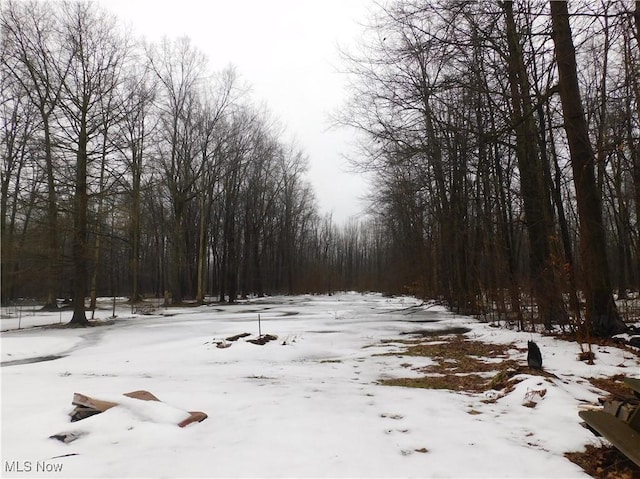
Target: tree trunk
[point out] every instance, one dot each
(602, 315)
(245, 267)
(232, 260)
(178, 255)
(257, 271)
(80, 231)
(202, 249)
(52, 222)
(634, 146)
(556, 194)
(98, 241)
(535, 192)
(135, 227)
(636, 18)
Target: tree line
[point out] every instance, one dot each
(504, 138)
(130, 168)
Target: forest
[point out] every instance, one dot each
(502, 137)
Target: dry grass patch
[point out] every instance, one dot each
(467, 382)
(605, 462)
(613, 385)
(459, 365)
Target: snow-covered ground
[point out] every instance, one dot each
(308, 404)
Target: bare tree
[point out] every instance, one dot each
(18, 117)
(180, 68)
(132, 140)
(533, 184)
(217, 105)
(37, 61)
(601, 313)
(97, 57)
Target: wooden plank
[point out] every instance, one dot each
(634, 419)
(194, 416)
(142, 395)
(620, 434)
(633, 383)
(93, 403)
(87, 406)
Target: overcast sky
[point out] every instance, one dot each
(287, 50)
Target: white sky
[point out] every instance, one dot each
(287, 51)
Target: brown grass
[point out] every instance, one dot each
(469, 383)
(605, 462)
(459, 365)
(613, 385)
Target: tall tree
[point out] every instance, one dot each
(18, 117)
(533, 184)
(210, 123)
(97, 57)
(132, 141)
(39, 62)
(601, 311)
(180, 69)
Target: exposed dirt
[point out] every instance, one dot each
(262, 340)
(237, 336)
